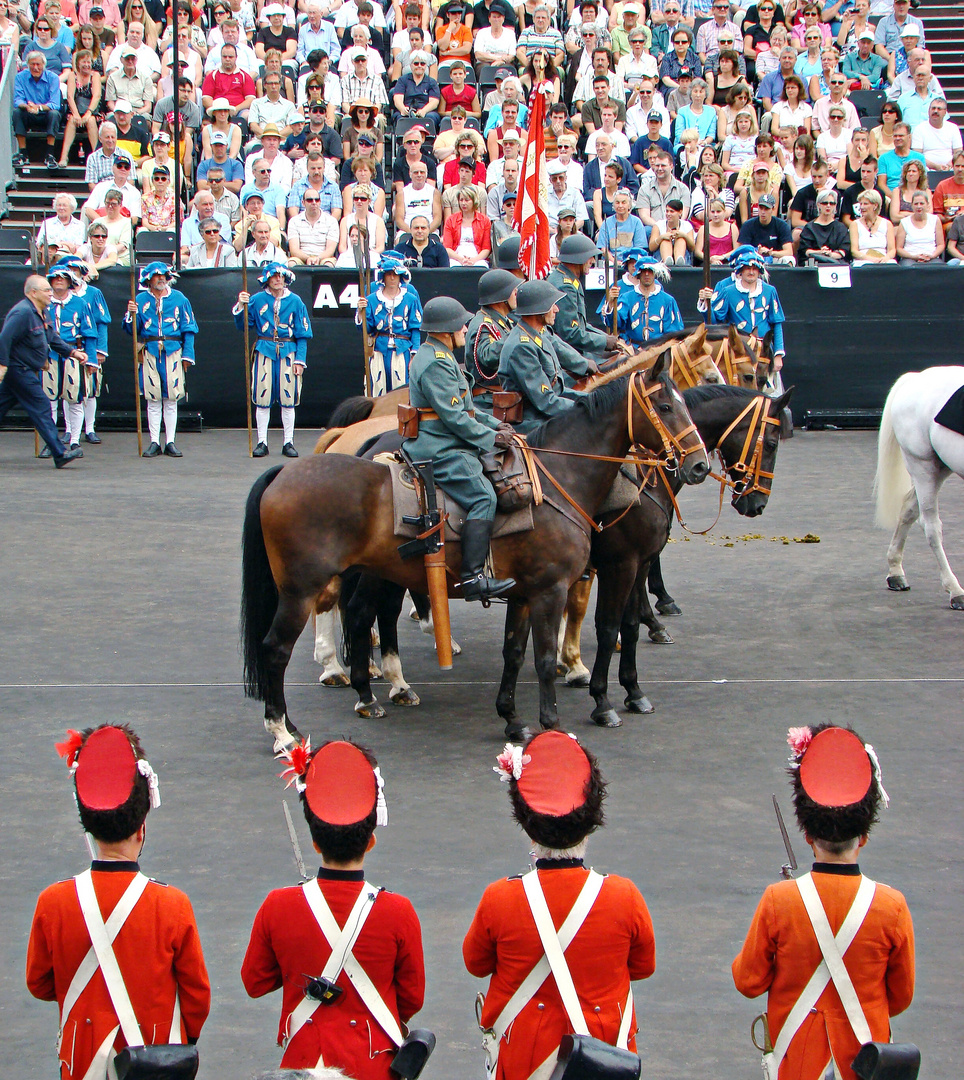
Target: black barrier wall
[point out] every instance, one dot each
(845, 346)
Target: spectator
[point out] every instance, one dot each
(771, 86)
(467, 232)
(402, 64)
(757, 42)
(9, 35)
(228, 83)
(232, 171)
(246, 59)
(590, 115)
(883, 134)
(890, 29)
(567, 226)
(737, 101)
(915, 103)
(657, 188)
(412, 151)
(119, 181)
(565, 148)
(937, 138)
(854, 23)
(904, 82)
(913, 178)
(769, 234)
(361, 39)
(157, 205)
(422, 248)
(190, 114)
(482, 15)
(105, 30)
(360, 84)
(133, 134)
(312, 234)
(804, 209)
(682, 56)
(674, 238)
(225, 202)
(825, 239)
(496, 43)
(834, 99)
(796, 173)
(892, 163)
(557, 124)
(419, 198)
(100, 164)
(541, 69)
(739, 148)
(511, 151)
(696, 115)
(601, 66)
(621, 33)
(36, 107)
(867, 181)
(148, 62)
(809, 59)
(261, 250)
(955, 242)
(375, 32)
(639, 155)
(96, 251)
(711, 186)
(540, 35)
(593, 172)
(707, 43)
(765, 153)
(328, 190)
(85, 38)
(316, 33)
(759, 185)
(272, 196)
(252, 210)
(204, 210)
(459, 95)
(418, 94)
(119, 226)
(452, 36)
(277, 36)
(349, 13)
(949, 193)
(722, 234)
(560, 197)
(361, 213)
(872, 237)
(190, 64)
(332, 146)
(724, 71)
(502, 223)
(810, 22)
(212, 251)
(56, 55)
(637, 63)
(220, 113)
(495, 97)
(467, 153)
(280, 167)
(454, 141)
(618, 139)
(63, 229)
(920, 236)
(506, 122)
(84, 106)
(494, 201)
(603, 198)
(366, 153)
(637, 116)
(848, 168)
(834, 144)
(864, 65)
(272, 110)
(327, 85)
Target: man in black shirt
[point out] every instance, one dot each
(25, 344)
(317, 125)
(769, 234)
(480, 15)
(375, 38)
(804, 205)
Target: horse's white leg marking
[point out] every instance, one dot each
(278, 729)
(326, 649)
(928, 478)
(909, 513)
(428, 627)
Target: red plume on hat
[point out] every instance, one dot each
(70, 748)
(298, 758)
(340, 782)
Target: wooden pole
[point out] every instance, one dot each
(33, 266)
(707, 275)
(247, 347)
(438, 595)
(137, 355)
(363, 262)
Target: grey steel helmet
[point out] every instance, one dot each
(536, 298)
(577, 249)
(444, 315)
(508, 254)
(496, 286)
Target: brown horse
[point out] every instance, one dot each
(308, 522)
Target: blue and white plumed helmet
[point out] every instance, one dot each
(392, 262)
(746, 255)
(64, 270)
(272, 268)
(645, 261)
(156, 267)
(76, 263)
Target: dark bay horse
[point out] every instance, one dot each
(310, 521)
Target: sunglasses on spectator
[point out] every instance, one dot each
(122, 164)
(411, 142)
(415, 63)
(98, 235)
(261, 172)
(210, 232)
(317, 200)
(39, 27)
(360, 198)
(838, 82)
(811, 38)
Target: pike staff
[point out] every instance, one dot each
(247, 347)
(363, 261)
(137, 355)
(35, 269)
(707, 277)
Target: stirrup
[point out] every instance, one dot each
(480, 587)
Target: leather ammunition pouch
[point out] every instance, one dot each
(165, 1062)
(507, 406)
(582, 1057)
(415, 1050)
(887, 1061)
(407, 421)
(505, 469)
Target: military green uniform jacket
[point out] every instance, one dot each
(483, 347)
(571, 324)
(454, 441)
(529, 365)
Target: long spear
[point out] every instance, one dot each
(137, 359)
(363, 262)
(35, 269)
(247, 347)
(707, 277)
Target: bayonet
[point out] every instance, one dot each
(788, 867)
(295, 846)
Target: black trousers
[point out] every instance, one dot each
(22, 386)
(44, 121)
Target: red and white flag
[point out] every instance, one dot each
(531, 219)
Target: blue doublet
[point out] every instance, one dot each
(65, 376)
(166, 329)
(283, 329)
(750, 314)
(395, 329)
(639, 318)
(99, 312)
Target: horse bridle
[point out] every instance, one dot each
(750, 463)
(673, 450)
(680, 360)
(728, 360)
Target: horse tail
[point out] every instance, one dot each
(326, 438)
(892, 481)
(349, 585)
(351, 411)
(259, 594)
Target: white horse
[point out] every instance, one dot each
(915, 456)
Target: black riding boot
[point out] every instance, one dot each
(475, 548)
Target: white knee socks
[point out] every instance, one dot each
(74, 421)
(90, 411)
(288, 424)
(170, 420)
(154, 421)
(261, 417)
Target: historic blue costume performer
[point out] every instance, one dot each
(393, 313)
(100, 313)
(65, 378)
(644, 310)
(283, 327)
(166, 329)
(748, 303)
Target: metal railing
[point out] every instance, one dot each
(7, 149)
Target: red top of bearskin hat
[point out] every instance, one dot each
(554, 780)
(340, 784)
(106, 769)
(835, 770)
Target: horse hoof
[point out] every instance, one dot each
(334, 680)
(897, 583)
(550, 725)
(578, 679)
(670, 608)
(561, 670)
(284, 733)
(606, 718)
(517, 732)
(374, 671)
(662, 636)
(957, 603)
(640, 705)
(413, 614)
(404, 695)
(370, 710)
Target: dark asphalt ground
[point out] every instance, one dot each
(120, 583)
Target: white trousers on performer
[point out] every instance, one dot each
(73, 419)
(154, 412)
(90, 411)
(262, 416)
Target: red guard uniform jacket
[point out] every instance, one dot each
(781, 954)
(614, 945)
(287, 944)
(158, 951)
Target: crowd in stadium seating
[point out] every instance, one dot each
(406, 123)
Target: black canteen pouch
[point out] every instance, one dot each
(505, 470)
(168, 1061)
(582, 1057)
(887, 1061)
(416, 1049)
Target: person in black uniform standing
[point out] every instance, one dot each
(25, 343)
